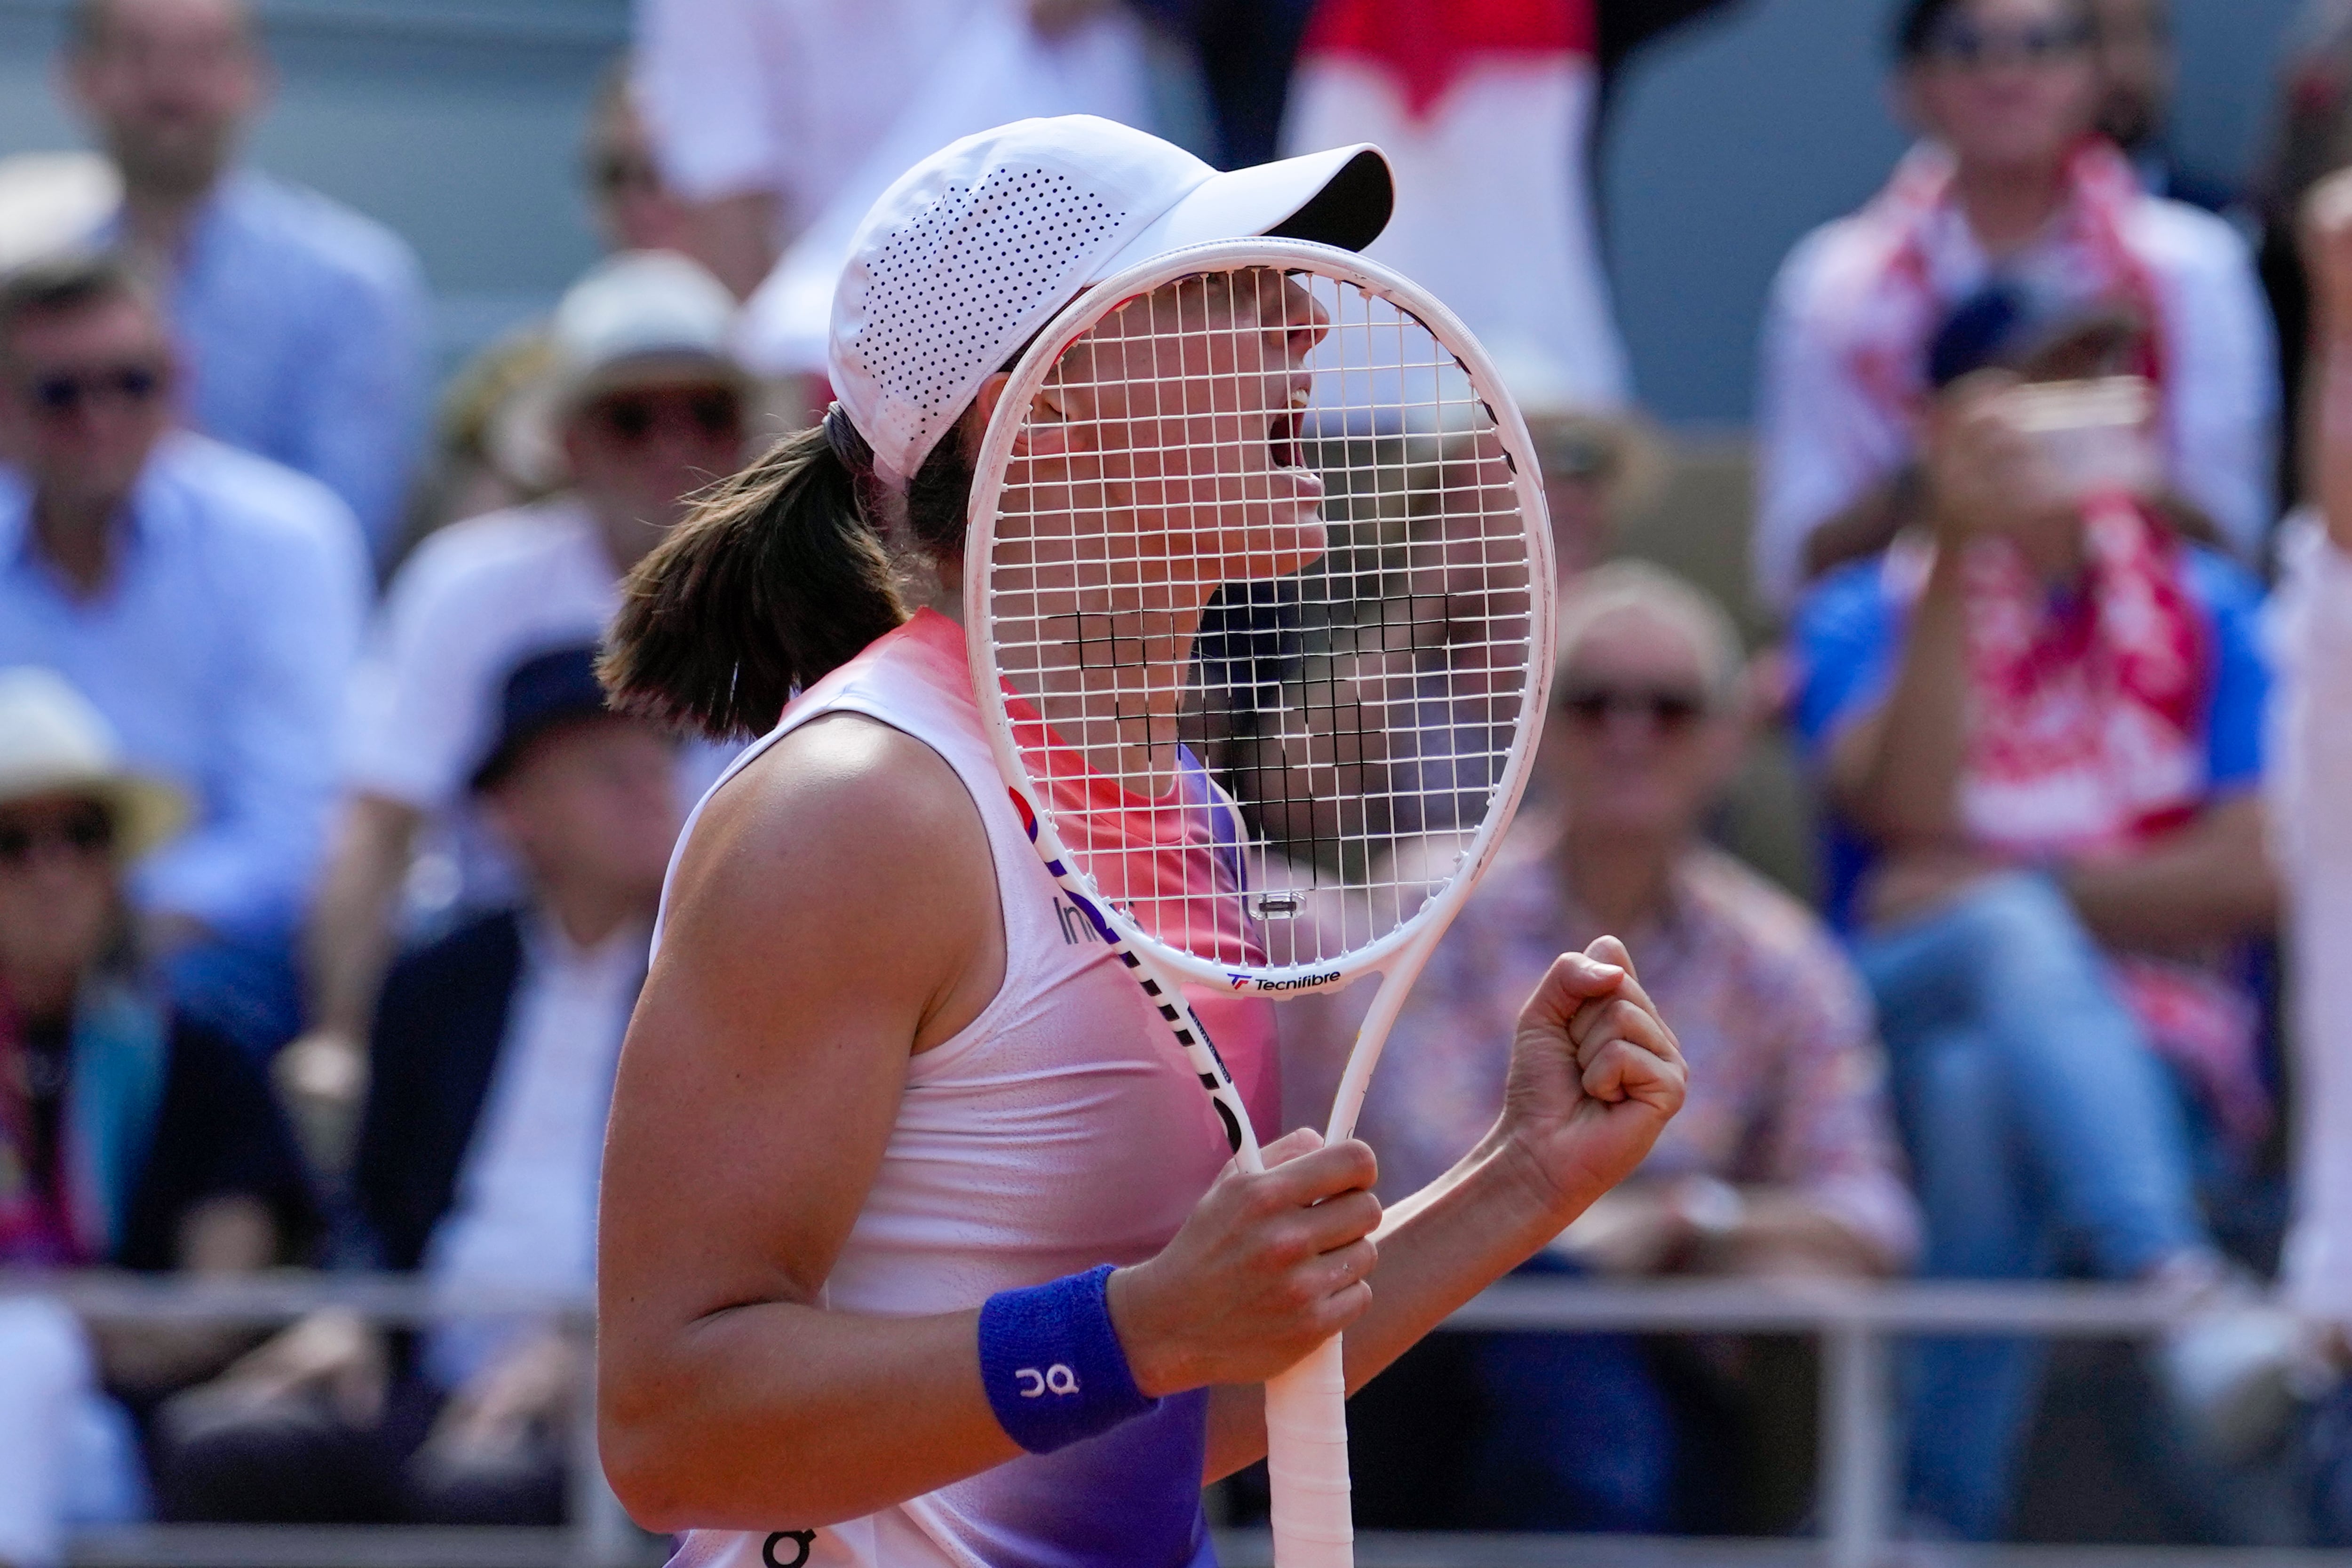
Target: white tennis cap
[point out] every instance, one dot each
(974, 249)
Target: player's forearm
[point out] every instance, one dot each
(775, 1416)
(1438, 1249)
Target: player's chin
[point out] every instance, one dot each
(1293, 538)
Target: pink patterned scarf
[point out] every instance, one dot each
(1899, 305)
(2087, 741)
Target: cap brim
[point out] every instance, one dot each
(1342, 196)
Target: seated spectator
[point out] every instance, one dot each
(1782, 1163)
(206, 600)
(304, 322)
(494, 1052)
(129, 1135)
(2008, 187)
(489, 454)
(647, 408)
(2039, 726)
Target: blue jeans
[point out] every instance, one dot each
(2034, 1108)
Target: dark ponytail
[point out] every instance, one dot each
(775, 577)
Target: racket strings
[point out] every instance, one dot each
(1260, 592)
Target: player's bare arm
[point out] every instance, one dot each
(757, 1091)
(1595, 1076)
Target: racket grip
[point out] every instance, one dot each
(1307, 1462)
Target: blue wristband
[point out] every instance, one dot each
(1055, 1370)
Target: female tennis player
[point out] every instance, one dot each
(921, 1245)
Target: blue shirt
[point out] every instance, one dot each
(302, 326)
(220, 650)
(1848, 641)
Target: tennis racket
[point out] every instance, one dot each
(1258, 592)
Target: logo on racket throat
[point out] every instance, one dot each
(1269, 987)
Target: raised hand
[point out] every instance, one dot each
(1595, 1075)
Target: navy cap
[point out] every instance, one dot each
(559, 687)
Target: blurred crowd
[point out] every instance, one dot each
(327, 878)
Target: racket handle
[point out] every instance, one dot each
(1307, 1462)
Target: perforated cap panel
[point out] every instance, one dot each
(953, 295)
(974, 249)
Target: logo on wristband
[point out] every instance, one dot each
(1056, 1379)
(802, 1540)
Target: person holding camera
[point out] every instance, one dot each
(2039, 723)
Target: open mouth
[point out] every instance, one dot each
(1281, 440)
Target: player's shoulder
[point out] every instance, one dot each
(852, 808)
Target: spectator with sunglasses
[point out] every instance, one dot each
(1783, 1162)
(207, 601)
(305, 322)
(495, 1049)
(488, 454)
(2010, 185)
(647, 406)
(130, 1136)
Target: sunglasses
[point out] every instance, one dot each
(86, 831)
(61, 394)
(1968, 47)
(631, 419)
(1671, 709)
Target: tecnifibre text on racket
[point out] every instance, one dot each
(1264, 503)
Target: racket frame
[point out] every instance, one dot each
(1139, 948)
(1305, 1407)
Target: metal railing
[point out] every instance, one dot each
(1857, 1325)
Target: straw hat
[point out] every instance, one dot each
(51, 202)
(640, 318)
(52, 742)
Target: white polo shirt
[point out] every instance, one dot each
(477, 599)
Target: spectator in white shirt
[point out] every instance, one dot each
(2008, 185)
(495, 1049)
(648, 408)
(767, 112)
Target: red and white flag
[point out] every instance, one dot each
(1485, 109)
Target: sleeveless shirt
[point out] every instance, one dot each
(1060, 1129)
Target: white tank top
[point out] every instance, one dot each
(1061, 1130)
